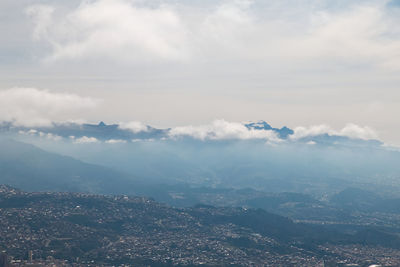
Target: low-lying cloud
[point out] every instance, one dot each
(35, 107)
(351, 130)
(133, 126)
(222, 130)
(216, 130)
(85, 140)
(115, 141)
(33, 132)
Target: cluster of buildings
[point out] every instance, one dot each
(66, 229)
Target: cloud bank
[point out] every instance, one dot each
(134, 126)
(350, 130)
(113, 29)
(35, 107)
(222, 130)
(304, 32)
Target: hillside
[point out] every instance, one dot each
(95, 230)
(30, 168)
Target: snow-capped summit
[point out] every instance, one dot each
(283, 132)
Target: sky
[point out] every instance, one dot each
(299, 63)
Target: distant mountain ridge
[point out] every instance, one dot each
(116, 132)
(30, 168)
(283, 132)
(100, 131)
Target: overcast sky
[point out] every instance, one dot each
(171, 62)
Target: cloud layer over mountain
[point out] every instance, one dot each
(221, 129)
(350, 130)
(31, 107)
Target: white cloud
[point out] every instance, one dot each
(85, 140)
(221, 130)
(42, 19)
(301, 132)
(350, 130)
(115, 141)
(354, 131)
(34, 107)
(34, 132)
(51, 136)
(280, 31)
(134, 126)
(111, 29)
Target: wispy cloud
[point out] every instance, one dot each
(34, 132)
(115, 141)
(85, 140)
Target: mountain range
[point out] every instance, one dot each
(30, 168)
(120, 133)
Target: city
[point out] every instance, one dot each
(74, 229)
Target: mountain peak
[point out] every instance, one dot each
(283, 133)
(260, 125)
(102, 124)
